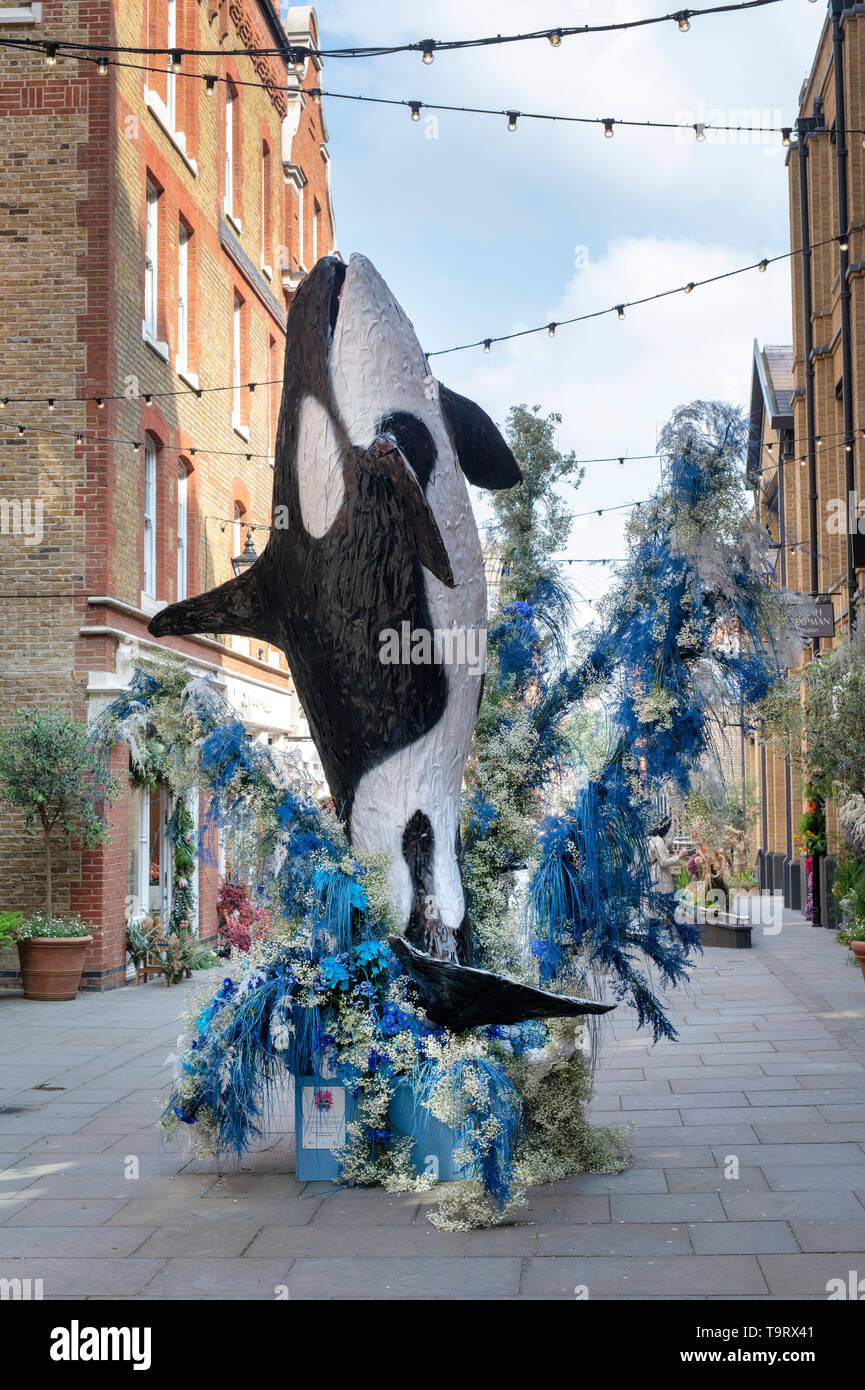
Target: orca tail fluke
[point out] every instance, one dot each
(238, 607)
(461, 997)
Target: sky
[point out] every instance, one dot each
(480, 231)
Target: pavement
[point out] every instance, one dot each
(747, 1180)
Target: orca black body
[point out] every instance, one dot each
(373, 533)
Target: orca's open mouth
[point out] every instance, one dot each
(339, 271)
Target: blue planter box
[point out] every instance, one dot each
(434, 1142)
(320, 1116)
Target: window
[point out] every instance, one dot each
(266, 207)
(151, 261)
(230, 99)
(300, 238)
(272, 397)
(183, 298)
(182, 532)
(236, 360)
(316, 215)
(171, 80)
(150, 518)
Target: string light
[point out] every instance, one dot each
(79, 438)
(136, 445)
(551, 330)
(176, 60)
(317, 93)
(700, 130)
(427, 47)
(51, 55)
(486, 343)
(100, 402)
(102, 65)
(4, 401)
(21, 429)
(415, 110)
(843, 242)
(50, 402)
(512, 120)
(608, 127)
(763, 266)
(786, 132)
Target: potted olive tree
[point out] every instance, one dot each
(46, 773)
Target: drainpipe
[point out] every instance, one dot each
(846, 292)
(804, 126)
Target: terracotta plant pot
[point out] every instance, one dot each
(858, 949)
(51, 965)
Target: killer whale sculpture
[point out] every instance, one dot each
(372, 531)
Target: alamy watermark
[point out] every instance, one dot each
(420, 646)
(22, 516)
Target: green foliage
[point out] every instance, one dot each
(558, 1139)
(533, 520)
(8, 922)
(835, 718)
(47, 772)
(140, 940)
(44, 924)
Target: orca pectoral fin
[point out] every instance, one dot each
(416, 510)
(484, 456)
(238, 607)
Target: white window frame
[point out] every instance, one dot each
(171, 80)
(228, 201)
(236, 361)
(300, 236)
(316, 214)
(151, 262)
(182, 533)
(183, 239)
(237, 529)
(149, 589)
(266, 166)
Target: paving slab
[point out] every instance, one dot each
(769, 1069)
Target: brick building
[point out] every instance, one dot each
(807, 405)
(155, 228)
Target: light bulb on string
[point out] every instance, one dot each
(210, 85)
(136, 446)
(620, 310)
(786, 132)
(4, 401)
(844, 243)
(427, 53)
(100, 403)
(415, 110)
(551, 329)
(683, 20)
(690, 286)
(176, 60)
(79, 438)
(50, 402)
(21, 429)
(512, 120)
(488, 342)
(51, 55)
(608, 127)
(555, 37)
(700, 132)
(102, 65)
(763, 266)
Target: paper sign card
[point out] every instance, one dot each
(323, 1117)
